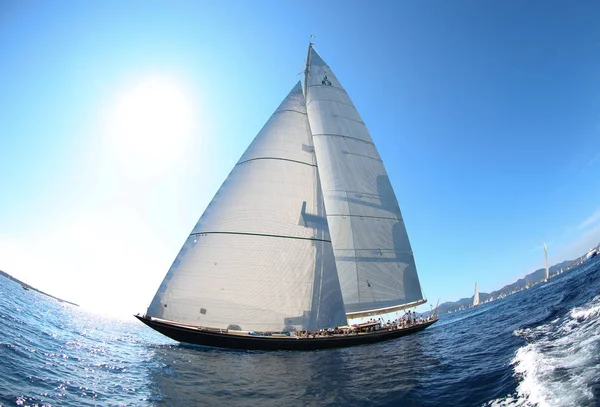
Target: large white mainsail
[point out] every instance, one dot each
(476, 296)
(373, 255)
(260, 257)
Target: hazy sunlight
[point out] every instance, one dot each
(150, 125)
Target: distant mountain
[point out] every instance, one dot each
(521, 284)
(2, 273)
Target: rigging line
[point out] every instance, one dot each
(260, 234)
(276, 158)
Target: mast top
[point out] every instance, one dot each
(310, 45)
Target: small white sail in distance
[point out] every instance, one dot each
(476, 296)
(547, 275)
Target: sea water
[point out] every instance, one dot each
(538, 347)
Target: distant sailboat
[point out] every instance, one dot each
(304, 235)
(476, 296)
(547, 276)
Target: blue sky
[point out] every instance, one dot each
(486, 114)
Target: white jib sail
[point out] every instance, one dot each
(476, 296)
(373, 255)
(260, 257)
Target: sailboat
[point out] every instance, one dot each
(547, 275)
(304, 235)
(476, 296)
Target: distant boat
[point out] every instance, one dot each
(591, 254)
(547, 276)
(25, 287)
(304, 235)
(476, 296)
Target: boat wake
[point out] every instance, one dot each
(560, 364)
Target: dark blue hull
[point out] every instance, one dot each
(249, 342)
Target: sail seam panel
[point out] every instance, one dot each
(390, 250)
(362, 216)
(344, 136)
(260, 234)
(330, 101)
(349, 118)
(329, 86)
(369, 194)
(359, 121)
(363, 156)
(291, 110)
(275, 158)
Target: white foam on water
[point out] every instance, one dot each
(560, 362)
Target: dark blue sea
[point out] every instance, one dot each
(539, 347)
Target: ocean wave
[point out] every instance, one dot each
(560, 364)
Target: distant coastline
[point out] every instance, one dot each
(524, 283)
(2, 273)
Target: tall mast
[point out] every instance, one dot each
(310, 44)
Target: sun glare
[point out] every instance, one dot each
(151, 124)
